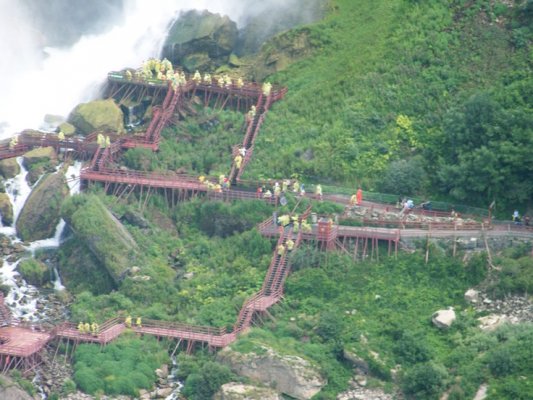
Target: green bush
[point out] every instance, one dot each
(205, 383)
(411, 348)
(122, 367)
(424, 381)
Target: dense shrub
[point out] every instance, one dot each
(424, 381)
(122, 367)
(204, 383)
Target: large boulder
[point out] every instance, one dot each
(240, 391)
(200, 40)
(6, 210)
(443, 319)
(40, 155)
(40, 215)
(98, 115)
(102, 233)
(288, 374)
(9, 168)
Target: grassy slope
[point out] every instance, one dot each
(376, 61)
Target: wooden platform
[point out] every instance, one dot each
(21, 342)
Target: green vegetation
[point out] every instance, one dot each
(437, 89)
(34, 272)
(123, 367)
(92, 222)
(429, 98)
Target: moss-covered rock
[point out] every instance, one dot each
(98, 115)
(81, 271)
(67, 129)
(6, 209)
(41, 212)
(104, 235)
(34, 272)
(9, 168)
(40, 155)
(204, 39)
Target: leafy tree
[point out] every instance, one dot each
(405, 177)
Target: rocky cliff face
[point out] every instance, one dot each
(40, 215)
(288, 374)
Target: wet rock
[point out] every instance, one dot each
(6, 210)
(200, 40)
(9, 168)
(40, 214)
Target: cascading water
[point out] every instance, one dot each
(23, 298)
(39, 79)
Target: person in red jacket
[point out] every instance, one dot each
(359, 196)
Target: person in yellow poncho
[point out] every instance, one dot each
(238, 161)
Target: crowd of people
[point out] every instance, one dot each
(163, 70)
(86, 328)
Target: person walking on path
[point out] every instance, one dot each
(359, 196)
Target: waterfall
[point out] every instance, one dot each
(22, 297)
(39, 79)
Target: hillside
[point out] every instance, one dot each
(411, 97)
(428, 98)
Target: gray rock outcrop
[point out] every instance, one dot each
(40, 215)
(443, 319)
(239, 391)
(288, 374)
(9, 390)
(98, 115)
(200, 40)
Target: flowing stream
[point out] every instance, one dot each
(23, 298)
